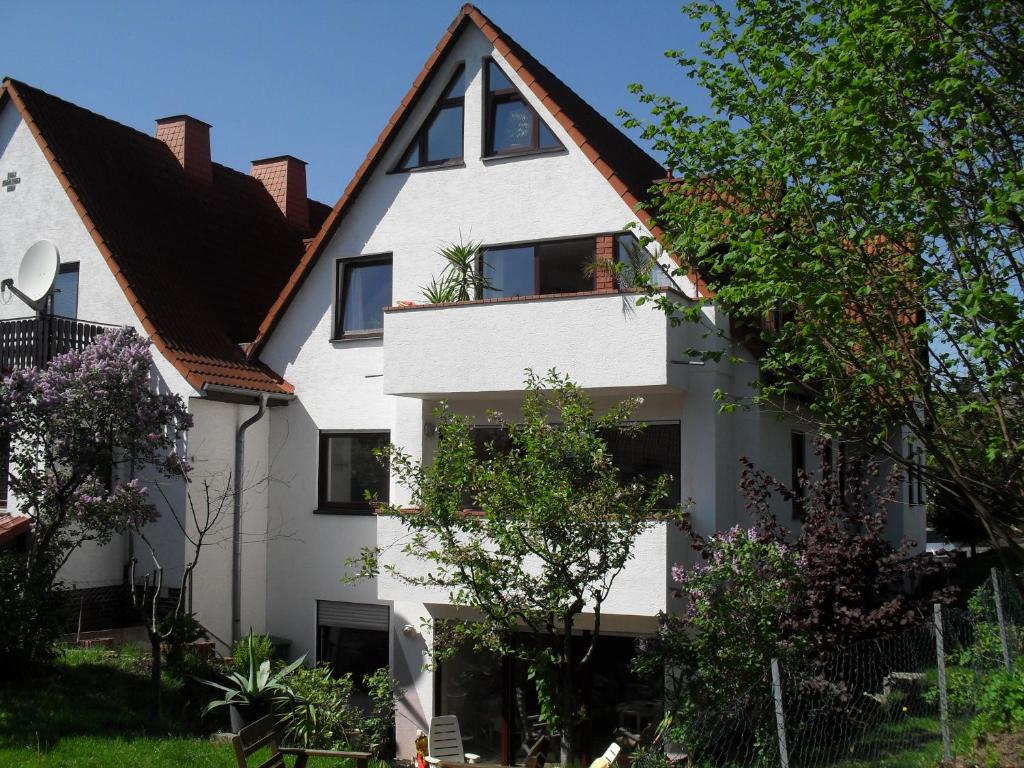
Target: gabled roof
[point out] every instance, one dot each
(628, 169)
(200, 263)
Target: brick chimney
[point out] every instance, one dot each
(285, 180)
(189, 140)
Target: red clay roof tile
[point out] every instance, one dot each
(199, 263)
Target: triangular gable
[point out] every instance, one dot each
(627, 168)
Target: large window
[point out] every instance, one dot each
(439, 141)
(349, 469)
(364, 289)
(512, 125)
(65, 297)
(647, 454)
(560, 266)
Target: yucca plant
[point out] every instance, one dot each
(257, 686)
(463, 276)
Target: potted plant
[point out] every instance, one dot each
(249, 695)
(462, 278)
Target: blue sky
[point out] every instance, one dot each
(316, 79)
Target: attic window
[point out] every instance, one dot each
(439, 141)
(513, 127)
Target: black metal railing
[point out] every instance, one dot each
(27, 342)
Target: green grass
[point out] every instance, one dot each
(90, 709)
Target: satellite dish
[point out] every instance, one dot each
(37, 274)
(38, 271)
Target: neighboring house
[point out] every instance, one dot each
(487, 145)
(152, 235)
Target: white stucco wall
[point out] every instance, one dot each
(211, 449)
(37, 209)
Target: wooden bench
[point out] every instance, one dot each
(265, 733)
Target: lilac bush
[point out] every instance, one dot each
(78, 428)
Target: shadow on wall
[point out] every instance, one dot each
(406, 668)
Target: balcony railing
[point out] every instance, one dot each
(27, 342)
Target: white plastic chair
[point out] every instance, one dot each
(608, 758)
(444, 742)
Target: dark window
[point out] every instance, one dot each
(559, 266)
(349, 468)
(439, 141)
(364, 289)
(915, 476)
(798, 462)
(5, 461)
(353, 639)
(65, 297)
(653, 451)
(512, 124)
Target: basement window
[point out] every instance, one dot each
(349, 469)
(439, 141)
(512, 125)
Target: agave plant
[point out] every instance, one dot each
(463, 276)
(258, 685)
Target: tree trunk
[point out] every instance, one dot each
(154, 683)
(569, 747)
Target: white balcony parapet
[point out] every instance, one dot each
(601, 340)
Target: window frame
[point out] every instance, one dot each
(342, 264)
(420, 138)
(342, 507)
(535, 258)
(507, 96)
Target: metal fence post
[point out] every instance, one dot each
(943, 699)
(1003, 641)
(780, 715)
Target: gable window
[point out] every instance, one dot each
(439, 141)
(65, 297)
(349, 469)
(542, 268)
(512, 125)
(364, 289)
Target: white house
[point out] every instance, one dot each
(487, 145)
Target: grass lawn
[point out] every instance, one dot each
(90, 710)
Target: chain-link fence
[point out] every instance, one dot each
(900, 700)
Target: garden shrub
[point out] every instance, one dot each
(321, 715)
(1001, 704)
(29, 628)
(262, 649)
(379, 722)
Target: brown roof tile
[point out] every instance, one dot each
(200, 263)
(621, 161)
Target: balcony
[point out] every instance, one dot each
(27, 342)
(603, 341)
(642, 588)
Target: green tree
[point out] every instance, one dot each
(552, 527)
(860, 182)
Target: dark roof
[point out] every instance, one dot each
(627, 168)
(201, 263)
